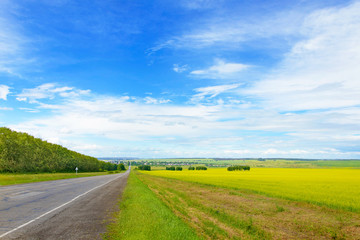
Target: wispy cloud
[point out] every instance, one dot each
(6, 109)
(14, 45)
(4, 91)
(231, 32)
(49, 91)
(212, 91)
(30, 110)
(321, 71)
(220, 69)
(200, 4)
(150, 100)
(180, 68)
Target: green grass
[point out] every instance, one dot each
(143, 216)
(334, 187)
(10, 179)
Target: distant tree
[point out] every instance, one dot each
(201, 168)
(144, 167)
(238, 168)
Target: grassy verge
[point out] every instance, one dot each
(143, 216)
(223, 213)
(10, 179)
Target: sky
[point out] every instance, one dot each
(187, 78)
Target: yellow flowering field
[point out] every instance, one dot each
(336, 188)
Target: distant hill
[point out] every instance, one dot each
(21, 152)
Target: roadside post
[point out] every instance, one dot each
(76, 169)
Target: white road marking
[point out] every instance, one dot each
(37, 218)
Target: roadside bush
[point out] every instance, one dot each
(121, 167)
(144, 167)
(178, 168)
(191, 168)
(201, 168)
(238, 168)
(170, 168)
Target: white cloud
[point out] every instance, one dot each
(120, 118)
(21, 99)
(150, 100)
(30, 110)
(179, 69)
(232, 31)
(6, 109)
(220, 69)
(216, 129)
(199, 4)
(322, 70)
(4, 91)
(237, 152)
(212, 91)
(271, 151)
(14, 45)
(49, 91)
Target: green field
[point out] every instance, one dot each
(10, 179)
(335, 188)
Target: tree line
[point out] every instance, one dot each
(197, 168)
(23, 153)
(238, 168)
(144, 167)
(172, 168)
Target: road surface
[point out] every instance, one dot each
(64, 209)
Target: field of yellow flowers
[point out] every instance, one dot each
(336, 188)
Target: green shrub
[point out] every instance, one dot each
(201, 168)
(144, 167)
(178, 168)
(121, 167)
(191, 168)
(238, 168)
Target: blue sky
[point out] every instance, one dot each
(196, 78)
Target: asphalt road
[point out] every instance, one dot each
(77, 208)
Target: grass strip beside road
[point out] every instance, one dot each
(11, 179)
(143, 216)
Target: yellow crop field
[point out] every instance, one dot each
(336, 188)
